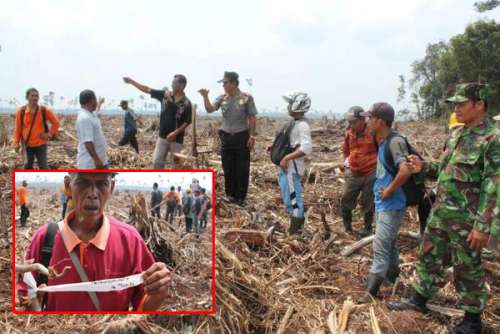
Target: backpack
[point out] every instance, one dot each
(187, 205)
(281, 145)
(209, 203)
(171, 202)
(414, 188)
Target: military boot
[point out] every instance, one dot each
(373, 283)
(416, 303)
(471, 324)
(347, 219)
(296, 224)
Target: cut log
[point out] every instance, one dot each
(367, 240)
(357, 245)
(448, 311)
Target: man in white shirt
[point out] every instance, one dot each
(91, 141)
(292, 165)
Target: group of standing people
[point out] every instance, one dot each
(193, 203)
(383, 165)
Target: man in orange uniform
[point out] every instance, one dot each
(31, 129)
(22, 195)
(360, 154)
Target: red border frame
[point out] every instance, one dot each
(15, 311)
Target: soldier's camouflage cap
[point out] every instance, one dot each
(472, 91)
(231, 76)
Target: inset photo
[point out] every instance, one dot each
(113, 241)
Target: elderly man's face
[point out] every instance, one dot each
(90, 192)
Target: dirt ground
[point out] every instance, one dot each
(266, 282)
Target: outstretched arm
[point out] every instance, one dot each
(141, 87)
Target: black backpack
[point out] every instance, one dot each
(281, 145)
(414, 188)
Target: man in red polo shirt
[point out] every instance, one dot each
(105, 247)
(360, 154)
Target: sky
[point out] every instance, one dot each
(125, 180)
(342, 53)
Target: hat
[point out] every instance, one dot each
(298, 102)
(474, 91)
(123, 102)
(354, 113)
(231, 76)
(380, 110)
(188, 190)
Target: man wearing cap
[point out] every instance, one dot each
(92, 144)
(130, 127)
(360, 154)
(96, 246)
(237, 134)
(175, 117)
(466, 212)
(390, 199)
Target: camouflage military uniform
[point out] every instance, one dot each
(468, 197)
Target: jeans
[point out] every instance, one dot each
(65, 207)
(385, 248)
(235, 157)
(196, 224)
(40, 152)
(291, 193)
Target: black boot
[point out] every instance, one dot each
(368, 220)
(392, 275)
(347, 219)
(373, 283)
(416, 302)
(296, 224)
(471, 324)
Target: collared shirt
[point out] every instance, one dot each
(300, 136)
(235, 111)
(34, 139)
(173, 114)
(89, 129)
(117, 250)
(361, 151)
(22, 193)
(469, 179)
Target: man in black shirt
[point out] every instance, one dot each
(175, 117)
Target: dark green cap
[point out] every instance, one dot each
(231, 76)
(472, 91)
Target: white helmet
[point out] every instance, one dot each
(298, 102)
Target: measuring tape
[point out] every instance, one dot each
(113, 284)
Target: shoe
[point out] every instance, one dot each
(373, 283)
(468, 326)
(367, 230)
(392, 276)
(347, 219)
(416, 303)
(296, 224)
